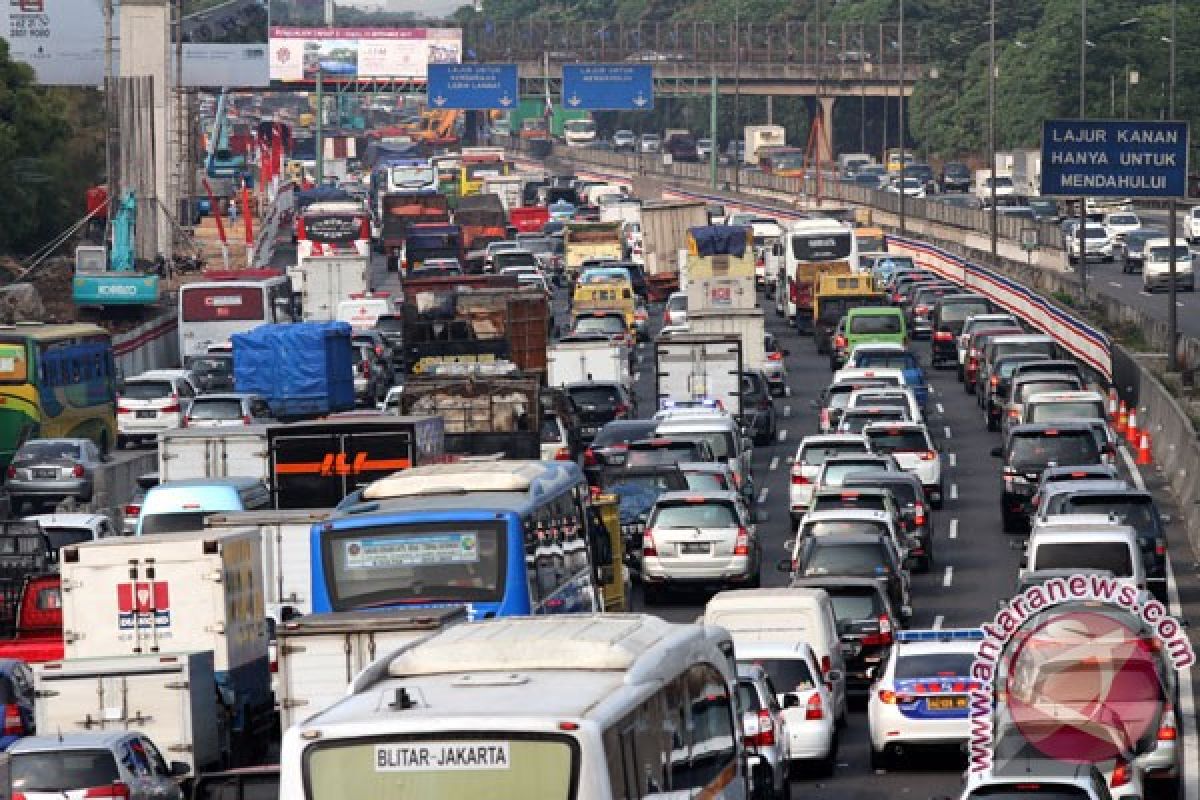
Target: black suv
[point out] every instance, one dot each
(855, 555)
(866, 622)
(950, 313)
(1028, 451)
(758, 408)
(391, 328)
(916, 517)
(598, 403)
(956, 177)
(611, 443)
(662, 451)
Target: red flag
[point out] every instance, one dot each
(216, 212)
(248, 218)
(277, 150)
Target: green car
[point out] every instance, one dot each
(872, 325)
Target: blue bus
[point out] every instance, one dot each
(504, 538)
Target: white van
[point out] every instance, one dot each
(364, 310)
(786, 615)
(1056, 406)
(591, 707)
(1083, 542)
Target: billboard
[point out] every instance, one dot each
(1114, 158)
(297, 54)
(224, 41)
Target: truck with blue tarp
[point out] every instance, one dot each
(303, 370)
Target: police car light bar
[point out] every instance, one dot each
(941, 635)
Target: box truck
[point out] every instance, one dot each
(323, 282)
(691, 368)
(589, 360)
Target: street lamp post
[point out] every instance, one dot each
(994, 212)
(1083, 46)
(900, 117)
(1131, 79)
(737, 96)
(1172, 321)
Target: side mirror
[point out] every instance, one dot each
(784, 565)
(997, 452)
(179, 769)
(790, 700)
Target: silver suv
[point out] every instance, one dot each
(763, 730)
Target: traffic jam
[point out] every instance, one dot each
(504, 482)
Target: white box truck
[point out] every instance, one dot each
(759, 136)
(187, 453)
(746, 323)
(577, 362)
(319, 655)
(286, 537)
(181, 592)
(692, 368)
(327, 281)
(166, 696)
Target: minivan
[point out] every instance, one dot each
(1084, 542)
(1028, 451)
(1057, 406)
(786, 615)
(176, 506)
(873, 324)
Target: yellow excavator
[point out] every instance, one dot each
(438, 127)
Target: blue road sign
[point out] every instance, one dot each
(608, 87)
(473, 86)
(1114, 158)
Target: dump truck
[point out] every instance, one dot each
(401, 210)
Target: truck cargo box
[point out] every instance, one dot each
(694, 367)
(302, 369)
(483, 415)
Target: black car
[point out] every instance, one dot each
(866, 622)
(991, 398)
(923, 173)
(637, 489)
(854, 555)
(1028, 450)
(611, 444)
(390, 328)
(598, 403)
(956, 177)
(213, 372)
(758, 407)
(916, 516)
(949, 314)
(1133, 507)
(682, 147)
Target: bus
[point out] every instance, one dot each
(230, 302)
(588, 707)
(811, 243)
(786, 162)
(411, 175)
(56, 381)
(339, 228)
(479, 163)
(579, 132)
(505, 538)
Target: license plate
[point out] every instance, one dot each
(694, 548)
(45, 474)
(946, 703)
(147, 414)
(589, 431)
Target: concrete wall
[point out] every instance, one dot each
(151, 345)
(116, 481)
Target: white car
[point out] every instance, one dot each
(810, 457)
(556, 442)
(910, 444)
(101, 764)
(807, 706)
(1098, 243)
(911, 187)
(1191, 224)
(675, 312)
(68, 529)
(900, 396)
(921, 695)
(1120, 223)
(1038, 778)
(624, 140)
(153, 402)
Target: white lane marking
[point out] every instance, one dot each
(1134, 472)
(953, 459)
(941, 409)
(774, 464)
(954, 491)
(948, 578)
(787, 391)
(937, 622)
(954, 529)
(783, 435)
(762, 496)
(787, 411)
(948, 432)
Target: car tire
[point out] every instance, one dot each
(880, 760)
(652, 595)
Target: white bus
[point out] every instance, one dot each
(591, 707)
(230, 302)
(810, 242)
(579, 132)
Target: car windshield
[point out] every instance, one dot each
(845, 558)
(62, 536)
(695, 515)
(1028, 790)
(215, 408)
(620, 434)
(538, 245)
(1111, 556)
(832, 526)
(1049, 412)
(721, 442)
(955, 312)
(1182, 253)
(871, 360)
(706, 481)
(146, 390)
(834, 474)
(607, 324)
(815, 454)
(875, 323)
(939, 665)
(1028, 389)
(854, 604)
(1123, 219)
(897, 440)
(1034, 452)
(904, 492)
(63, 770)
(48, 450)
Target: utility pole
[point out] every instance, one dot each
(900, 118)
(712, 132)
(110, 117)
(994, 212)
(320, 123)
(1172, 321)
(1083, 267)
(737, 95)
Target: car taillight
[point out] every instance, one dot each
(1013, 413)
(943, 336)
(798, 479)
(173, 408)
(133, 509)
(774, 356)
(13, 725)
(1167, 733)
(929, 455)
(826, 420)
(764, 404)
(12, 473)
(883, 637)
(921, 310)
(114, 789)
(839, 341)
(378, 351)
(766, 730)
(887, 696)
(1160, 548)
(123, 409)
(994, 381)
(77, 471)
(742, 546)
(648, 548)
(814, 709)
(793, 292)
(562, 454)
(589, 458)
(919, 519)
(826, 665)
(364, 368)
(1120, 775)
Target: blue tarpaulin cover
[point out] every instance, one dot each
(302, 369)
(719, 240)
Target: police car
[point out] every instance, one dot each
(921, 696)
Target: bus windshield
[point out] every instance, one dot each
(415, 563)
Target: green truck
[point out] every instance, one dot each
(536, 107)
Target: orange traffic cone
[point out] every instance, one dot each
(1112, 404)
(1131, 431)
(1122, 418)
(1144, 454)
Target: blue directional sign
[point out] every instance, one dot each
(1114, 158)
(473, 86)
(608, 87)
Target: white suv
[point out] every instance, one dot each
(153, 402)
(810, 457)
(1156, 267)
(909, 443)
(1191, 224)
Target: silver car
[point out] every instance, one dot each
(699, 539)
(764, 729)
(110, 764)
(47, 471)
(228, 409)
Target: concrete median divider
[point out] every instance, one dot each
(116, 481)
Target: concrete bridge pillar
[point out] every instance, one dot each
(821, 108)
